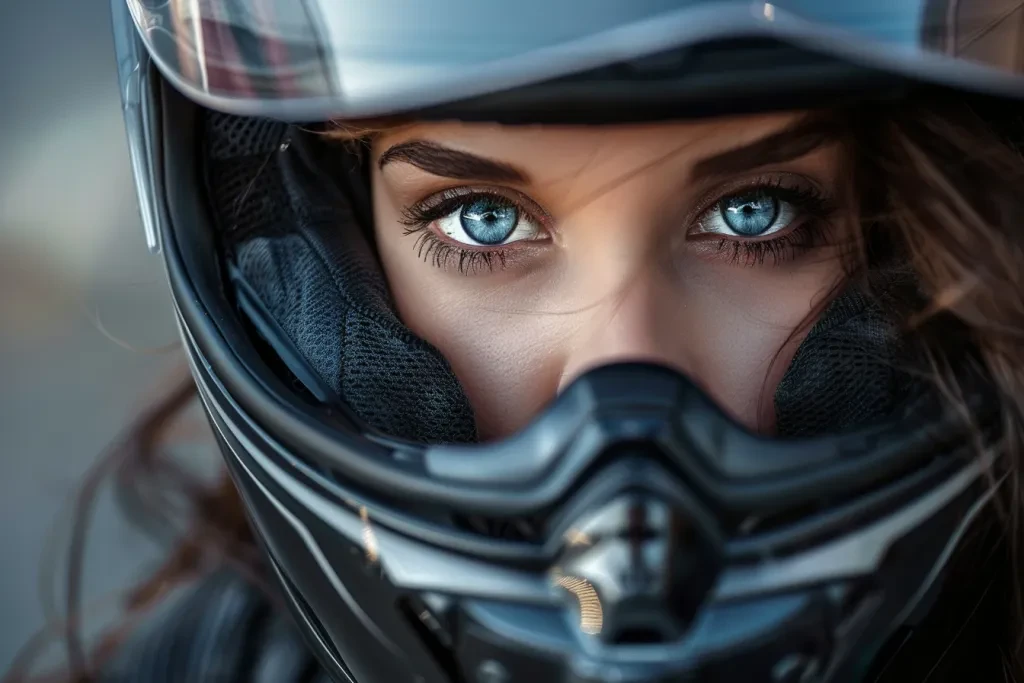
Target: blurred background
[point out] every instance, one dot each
(73, 262)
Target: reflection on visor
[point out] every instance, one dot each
(251, 49)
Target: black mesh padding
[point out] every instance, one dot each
(285, 209)
(853, 368)
(233, 137)
(246, 198)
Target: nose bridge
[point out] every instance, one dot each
(638, 319)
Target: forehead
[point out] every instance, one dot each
(569, 149)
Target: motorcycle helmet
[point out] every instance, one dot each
(633, 531)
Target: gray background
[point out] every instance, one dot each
(70, 247)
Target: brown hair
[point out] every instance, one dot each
(936, 178)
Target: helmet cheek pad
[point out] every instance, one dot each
(303, 270)
(854, 366)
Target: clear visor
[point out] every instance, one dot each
(317, 59)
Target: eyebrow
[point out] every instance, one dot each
(792, 142)
(452, 163)
(795, 141)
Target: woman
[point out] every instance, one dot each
(699, 361)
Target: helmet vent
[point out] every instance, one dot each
(520, 529)
(639, 636)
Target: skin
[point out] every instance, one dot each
(618, 277)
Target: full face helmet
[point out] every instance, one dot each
(632, 531)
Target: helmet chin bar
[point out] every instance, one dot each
(641, 575)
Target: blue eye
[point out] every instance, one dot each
(487, 221)
(749, 215)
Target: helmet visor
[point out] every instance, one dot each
(320, 59)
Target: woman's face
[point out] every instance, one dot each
(530, 254)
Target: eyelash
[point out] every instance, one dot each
(814, 208)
